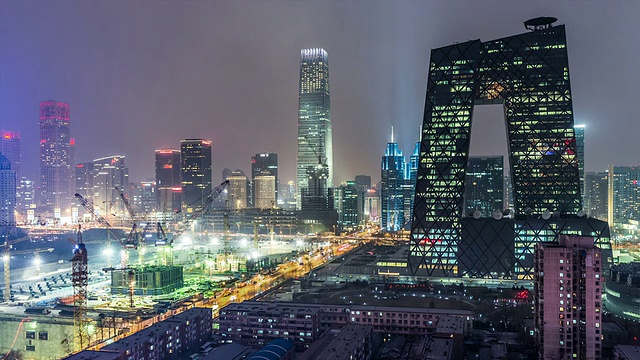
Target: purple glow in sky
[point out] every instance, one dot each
(142, 75)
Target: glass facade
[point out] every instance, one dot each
(392, 188)
(529, 75)
(56, 159)
(195, 169)
(315, 147)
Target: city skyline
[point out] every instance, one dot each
(173, 86)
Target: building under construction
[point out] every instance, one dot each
(147, 280)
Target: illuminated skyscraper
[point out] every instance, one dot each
(195, 160)
(529, 74)
(264, 185)
(168, 181)
(108, 173)
(237, 190)
(579, 130)
(7, 195)
(392, 188)
(259, 164)
(10, 148)
(315, 148)
(56, 159)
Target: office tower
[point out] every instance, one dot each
(525, 72)
(624, 187)
(363, 182)
(56, 159)
(10, 148)
(84, 176)
(144, 196)
(195, 165)
(237, 190)
(108, 173)
(264, 190)
(288, 195)
(372, 206)
(168, 182)
(568, 304)
(596, 191)
(26, 203)
(392, 188)
(7, 196)
(484, 186)
(260, 163)
(315, 150)
(349, 205)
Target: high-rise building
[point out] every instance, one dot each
(109, 173)
(568, 304)
(411, 175)
(624, 185)
(363, 182)
(26, 203)
(315, 149)
(10, 148)
(84, 179)
(195, 165)
(484, 186)
(144, 196)
(392, 188)
(596, 192)
(7, 196)
(264, 190)
(259, 164)
(168, 180)
(56, 159)
(237, 190)
(349, 205)
(527, 72)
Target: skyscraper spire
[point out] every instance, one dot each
(392, 133)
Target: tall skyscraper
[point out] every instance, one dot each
(579, 131)
(10, 148)
(315, 149)
(259, 164)
(84, 179)
(411, 175)
(484, 186)
(596, 191)
(168, 181)
(195, 160)
(349, 204)
(108, 173)
(56, 159)
(568, 304)
(237, 190)
(264, 190)
(525, 72)
(392, 188)
(7, 196)
(624, 186)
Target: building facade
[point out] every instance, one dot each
(10, 148)
(261, 163)
(195, 169)
(264, 190)
(315, 140)
(109, 173)
(168, 180)
(56, 159)
(7, 196)
(533, 82)
(596, 194)
(237, 195)
(392, 188)
(568, 303)
(349, 205)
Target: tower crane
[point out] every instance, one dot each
(80, 282)
(134, 239)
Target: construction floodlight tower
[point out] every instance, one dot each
(80, 280)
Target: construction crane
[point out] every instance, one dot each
(202, 210)
(134, 239)
(80, 282)
(88, 205)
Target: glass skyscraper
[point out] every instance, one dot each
(527, 73)
(315, 154)
(392, 188)
(56, 159)
(168, 180)
(195, 167)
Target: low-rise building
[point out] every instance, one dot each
(352, 342)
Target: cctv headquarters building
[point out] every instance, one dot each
(529, 75)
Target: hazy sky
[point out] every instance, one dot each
(144, 75)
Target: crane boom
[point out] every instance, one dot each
(126, 203)
(209, 197)
(88, 204)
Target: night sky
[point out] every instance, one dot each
(144, 75)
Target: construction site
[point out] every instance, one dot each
(115, 280)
